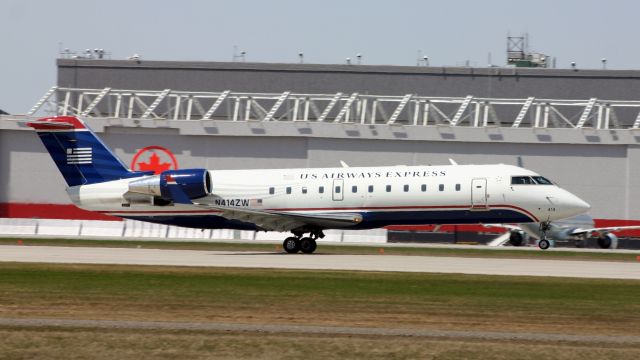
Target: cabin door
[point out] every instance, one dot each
(338, 190)
(479, 194)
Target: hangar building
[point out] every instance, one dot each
(577, 127)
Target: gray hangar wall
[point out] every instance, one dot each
(601, 173)
(598, 165)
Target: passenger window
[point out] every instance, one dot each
(388, 188)
(304, 189)
(354, 189)
(522, 180)
(423, 187)
(321, 189)
(288, 189)
(272, 190)
(406, 188)
(338, 189)
(441, 187)
(457, 187)
(370, 188)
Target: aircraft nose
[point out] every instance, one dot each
(575, 205)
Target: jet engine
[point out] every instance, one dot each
(195, 183)
(518, 238)
(608, 241)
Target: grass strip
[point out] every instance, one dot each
(324, 298)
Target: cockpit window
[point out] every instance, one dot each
(542, 180)
(522, 180)
(530, 180)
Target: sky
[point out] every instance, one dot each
(450, 33)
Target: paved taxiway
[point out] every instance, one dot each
(456, 265)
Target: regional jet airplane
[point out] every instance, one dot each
(302, 201)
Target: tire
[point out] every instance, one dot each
(544, 244)
(308, 245)
(291, 245)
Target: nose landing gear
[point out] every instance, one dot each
(543, 243)
(307, 245)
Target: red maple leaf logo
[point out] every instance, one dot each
(154, 164)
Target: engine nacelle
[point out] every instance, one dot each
(195, 183)
(608, 241)
(518, 238)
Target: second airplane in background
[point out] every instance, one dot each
(577, 229)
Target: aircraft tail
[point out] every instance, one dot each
(80, 155)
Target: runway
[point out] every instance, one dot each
(394, 263)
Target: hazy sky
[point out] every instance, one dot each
(327, 31)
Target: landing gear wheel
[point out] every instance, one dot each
(544, 244)
(308, 245)
(291, 245)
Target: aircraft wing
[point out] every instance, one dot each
(580, 231)
(271, 220)
(504, 226)
(284, 220)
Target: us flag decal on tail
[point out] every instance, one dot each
(78, 156)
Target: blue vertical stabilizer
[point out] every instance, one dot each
(79, 154)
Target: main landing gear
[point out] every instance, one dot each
(543, 243)
(307, 245)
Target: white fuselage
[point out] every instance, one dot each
(383, 195)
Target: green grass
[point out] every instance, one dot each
(319, 297)
(482, 251)
(323, 298)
